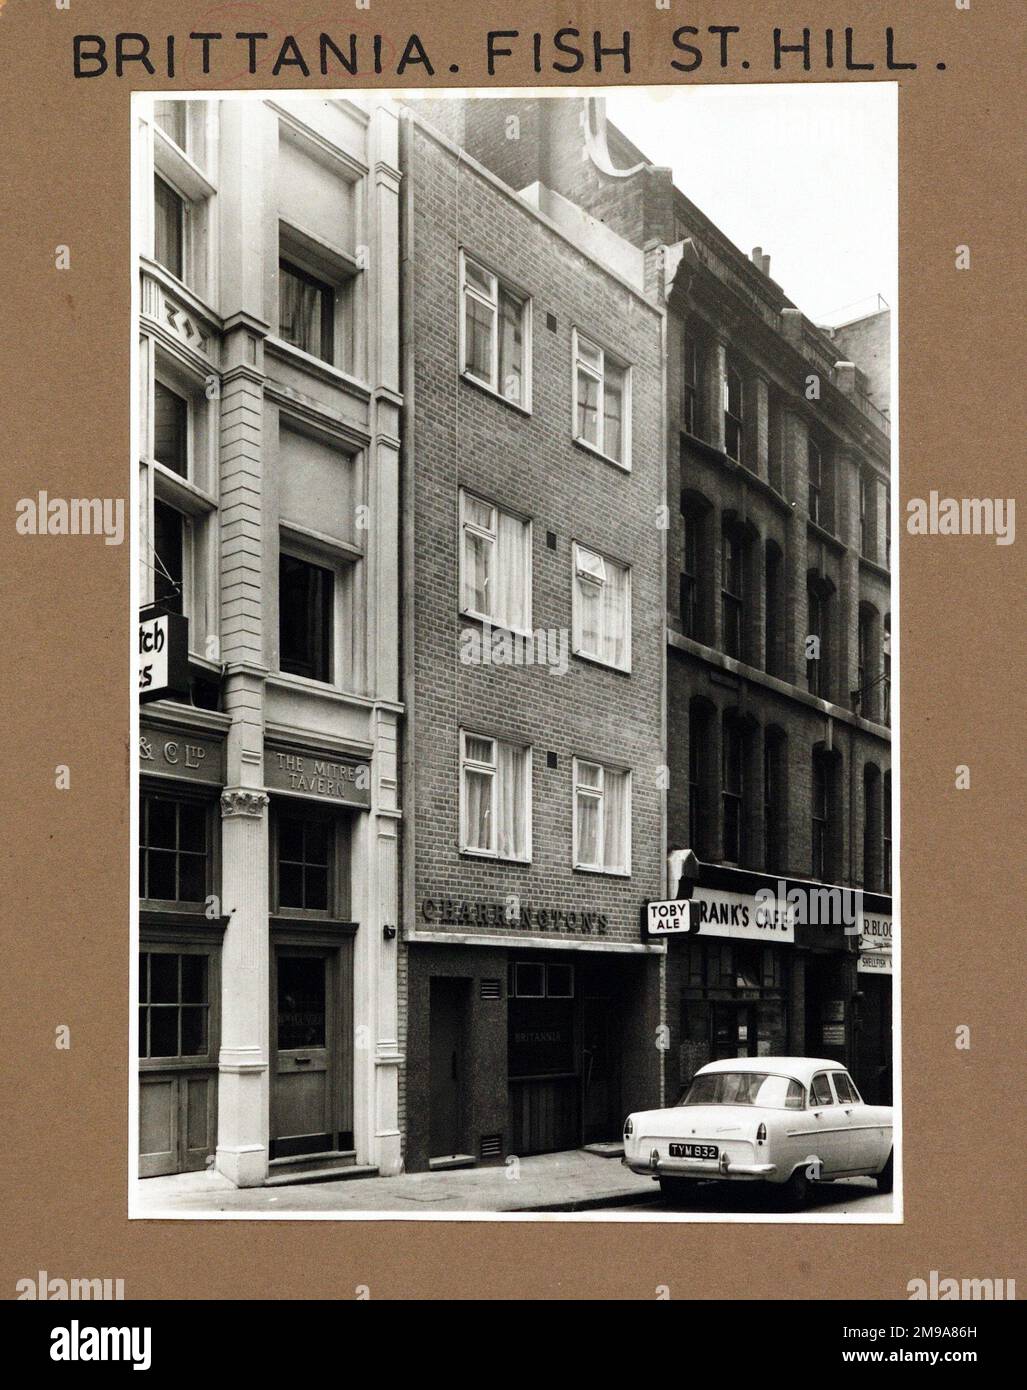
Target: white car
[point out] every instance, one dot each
(782, 1120)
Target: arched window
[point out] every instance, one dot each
(869, 674)
(732, 787)
(694, 359)
(773, 609)
(886, 873)
(732, 590)
(824, 811)
(775, 799)
(819, 673)
(700, 723)
(734, 413)
(886, 663)
(872, 824)
(695, 566)
(821, 483)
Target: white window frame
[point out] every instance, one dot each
(577, 578)
(341, 562)
(492, 769)
(599, 376)
(600, 795)
(491, 302)
(492, 536)
(194, 496)
(199, 236)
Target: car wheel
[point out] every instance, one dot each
(886, 1177)
(796, 1190)
(677, 1188)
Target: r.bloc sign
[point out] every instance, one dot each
(163, 654)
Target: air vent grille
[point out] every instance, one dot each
(491, 989)
(491, 1145)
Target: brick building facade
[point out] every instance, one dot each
(534, 483)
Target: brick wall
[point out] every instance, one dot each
(529, 464)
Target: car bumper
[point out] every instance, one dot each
(657, 1165)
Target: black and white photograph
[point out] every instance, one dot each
(512, 548)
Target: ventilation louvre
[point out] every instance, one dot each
(491, 1145)
(491, 989)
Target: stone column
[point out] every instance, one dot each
(243, 1126)
(243, 202)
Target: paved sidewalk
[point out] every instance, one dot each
(572, 1181)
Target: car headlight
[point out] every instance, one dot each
(629, 1128)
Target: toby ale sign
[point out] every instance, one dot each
(676, 916)
(163, 654)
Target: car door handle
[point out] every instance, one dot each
(302, 1061)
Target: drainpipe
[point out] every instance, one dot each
(406, 521)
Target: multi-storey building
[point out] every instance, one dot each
(269, 403)
(778, 614)
(487, 477)
(534, 650)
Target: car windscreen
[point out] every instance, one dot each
(745, 1088)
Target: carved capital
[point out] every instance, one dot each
(239, 801)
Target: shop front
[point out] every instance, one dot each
(531, 1047)
(733, 976)
(181, 929)
(781, 967)
(872, 1065)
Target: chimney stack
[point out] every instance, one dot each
(760, 261)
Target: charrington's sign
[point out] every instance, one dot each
(456, 912)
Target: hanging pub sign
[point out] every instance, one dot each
(163, 654)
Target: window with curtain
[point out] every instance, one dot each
(168, 227)
(602, 818)
(306, 311)
(496, 333)
(495, 564)
(495, 794)
(602, 609)
(602, 405)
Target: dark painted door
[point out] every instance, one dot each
(600, 1071)
(446, 1064)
